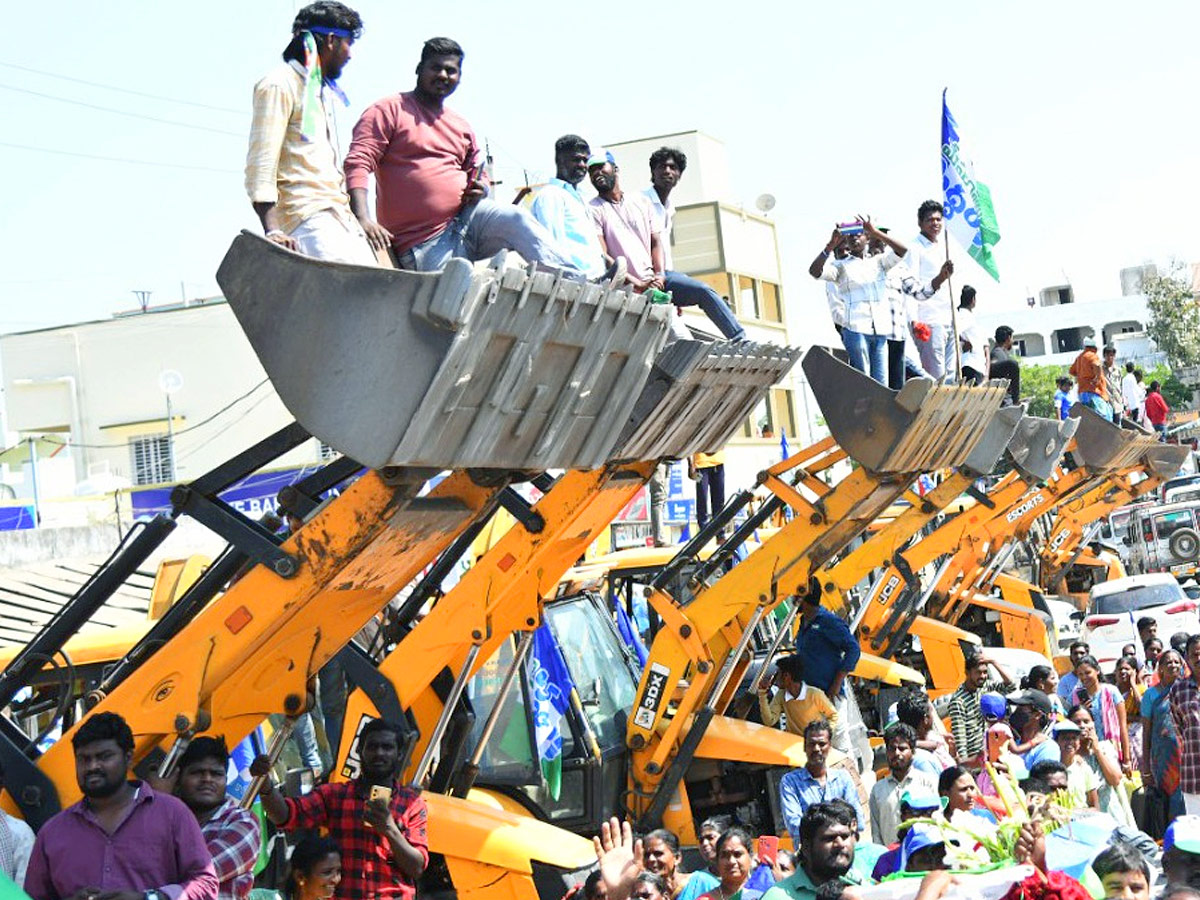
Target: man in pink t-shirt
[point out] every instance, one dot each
(431, 195)
(626, 224)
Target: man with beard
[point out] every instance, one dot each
(562, 210)
(293, 176)
(828, 837)
(815, 783)
(430, 191)
(378, 822)
(232, 833)
(123, 840)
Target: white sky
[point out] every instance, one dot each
(1076, 115)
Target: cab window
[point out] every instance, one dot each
(1166, 524)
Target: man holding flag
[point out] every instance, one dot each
(927, 259)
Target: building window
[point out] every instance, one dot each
(747, 298)
(771, 310)
(150, 459)
(719, 282)
(783, 410)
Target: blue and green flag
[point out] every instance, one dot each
(969, 215)
(550, 687)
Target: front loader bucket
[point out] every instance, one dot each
(1038, 445)
(920, 428)
(698, 395)
(478, 366)
(996, 438)
(1164, 460)
(1102, 446)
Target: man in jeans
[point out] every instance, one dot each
(430, 192)
(666, 169)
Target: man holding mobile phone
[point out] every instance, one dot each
(378, 822)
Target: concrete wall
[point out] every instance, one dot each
(20, 548)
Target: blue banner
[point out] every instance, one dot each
(16, 518)
(252, 496)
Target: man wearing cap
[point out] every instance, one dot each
(1181, 851)
(561, 209)
(625, 224)
(1030, 716)
(966, 715)
(1089, 373)
(923, 849)
(293, 176)
(431, 191)
(1083, 784)
(903, 777)
(826, 843)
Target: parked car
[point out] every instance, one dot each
(1165, 538)
(1115, 606)
(1181, 487)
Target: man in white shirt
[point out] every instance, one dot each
(974, 350)
(666, 169)
(16, 844)
(1132, 394)
(926, 259)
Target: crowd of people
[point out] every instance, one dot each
(186, 839)
(433, 199)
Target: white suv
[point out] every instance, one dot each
(1115, 606)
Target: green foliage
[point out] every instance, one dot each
(1174, 318)
(1037, 383)
(1177, 394)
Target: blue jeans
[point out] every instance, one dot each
(687, 291)
(480, 232)
(868, 353)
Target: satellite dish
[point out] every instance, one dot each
(170, 381)
(765, 202)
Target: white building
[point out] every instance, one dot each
(1051, 330)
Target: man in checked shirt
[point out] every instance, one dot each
(232, 833)
(384, 848)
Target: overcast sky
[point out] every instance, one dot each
(1076, 115)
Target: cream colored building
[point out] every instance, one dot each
(99, 387)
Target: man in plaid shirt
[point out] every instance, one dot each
(232, 833)
(1184, 698)
(384, 847)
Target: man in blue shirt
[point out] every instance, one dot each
(561, 209)
(815, 783)
(829, 648)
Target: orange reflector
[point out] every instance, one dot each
(506, 563)
(238, 620)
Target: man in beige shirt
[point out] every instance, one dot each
(293, 174)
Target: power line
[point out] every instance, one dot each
(120, 159)
(224, 409)
(119, 112)
(113, 87)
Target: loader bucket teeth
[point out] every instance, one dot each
(996, 437)
(1038, 445)
(474, 366)
(1102, 446)
(924, 426)
(1164, 460)
(698, 395)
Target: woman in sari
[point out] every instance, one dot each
(1127, 677)
(1160, 744)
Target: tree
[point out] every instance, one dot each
(1174, 317)
(1177, 394)
(1037, 383)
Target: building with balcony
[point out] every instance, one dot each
(1051, 329)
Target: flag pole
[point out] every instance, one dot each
(953, 315)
